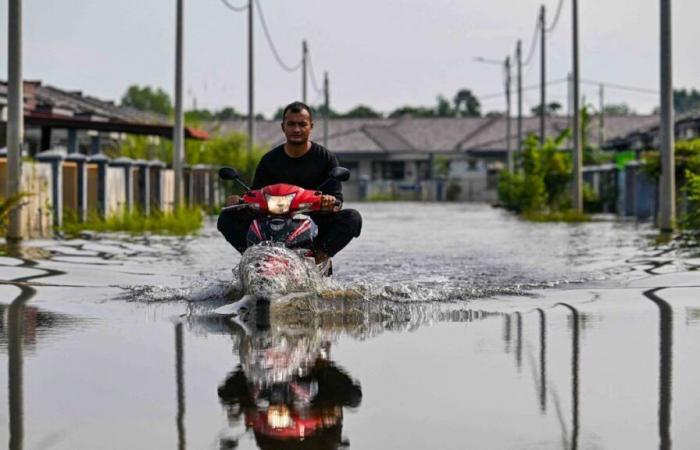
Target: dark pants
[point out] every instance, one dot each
(335, 230)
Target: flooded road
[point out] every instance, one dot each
(479, 331)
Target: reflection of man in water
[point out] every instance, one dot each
(294, 408)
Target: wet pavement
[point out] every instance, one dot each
(479, 331)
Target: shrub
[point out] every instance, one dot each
(182, 222)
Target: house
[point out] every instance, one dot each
(398, 157)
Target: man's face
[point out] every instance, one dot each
(297, 126)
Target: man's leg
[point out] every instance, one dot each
(234, 226)
(336, 230)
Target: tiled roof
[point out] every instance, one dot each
(435, 135)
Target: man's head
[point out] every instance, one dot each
(297, 123)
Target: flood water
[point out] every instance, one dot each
(481, 331)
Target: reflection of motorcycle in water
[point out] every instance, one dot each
(288, 391)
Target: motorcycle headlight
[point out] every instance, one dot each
(279, 204)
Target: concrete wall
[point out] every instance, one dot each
(36, 216)
(168, 190)
(116, 190)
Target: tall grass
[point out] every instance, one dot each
(182, 222)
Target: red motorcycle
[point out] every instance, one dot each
(279, 221)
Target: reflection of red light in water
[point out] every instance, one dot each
(298, 427)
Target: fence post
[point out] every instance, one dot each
(156, 168)
(55, 159)
(101, 161)
(126, 164)
(144, 185)
(79, 160)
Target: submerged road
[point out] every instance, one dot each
(480, 331)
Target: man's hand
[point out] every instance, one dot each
(328, 203)
(233, 200)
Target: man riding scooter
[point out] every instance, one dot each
(306, 164)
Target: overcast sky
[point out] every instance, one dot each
(383, 53)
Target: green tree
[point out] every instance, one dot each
(685, 100)
(413, 111)
(542, 186)
(618, 109)
(466, 104)
(362, 112)
(228, 113)
(148, 99)
(444, 108)
(552, 109)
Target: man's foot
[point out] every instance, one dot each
(321, 256)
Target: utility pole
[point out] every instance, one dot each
(543, 74)
(668, 180)
(601, 117)
(178, 130)
(15, 117)
(519, 55)
(304, 58)
(508, 119)
(251, 99)
(327, 108)
(578, 154)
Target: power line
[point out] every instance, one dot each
(556, 17)
(234, 7)
(622, 87)
(525, 88)
(314, 83)
(533, 44)
(271, 44)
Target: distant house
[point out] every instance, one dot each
(398, 155)
(79, 122)
(646, 136)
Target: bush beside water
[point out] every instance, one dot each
(540, 192)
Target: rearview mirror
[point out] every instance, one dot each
(340, 174)
(228, 173)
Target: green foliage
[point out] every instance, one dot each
(466, 104)
(541, 188)
(362, 112)
(618, 109)
(381, 197)
(568, 215)
(453, 191)
(148, 99)
(184, 221)
(228, 150)
(692, 220)
(552, 109)
(687, 158)
(441, 166)
(685, 100)
(7, 205)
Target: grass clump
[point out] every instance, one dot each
(569, 216)
(182, 222)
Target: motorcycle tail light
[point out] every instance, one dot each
(279, 204)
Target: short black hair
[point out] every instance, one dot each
(297, 107)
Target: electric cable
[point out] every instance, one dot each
(525, 88)
(556, 17)
(234, 7)
(621, 87)
(311, 70)
(271, 44)
(533, 45)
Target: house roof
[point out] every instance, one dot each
(58, 108)
(428, 135)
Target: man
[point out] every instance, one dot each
(304, 163)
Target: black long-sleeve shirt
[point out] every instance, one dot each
(308, 171)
